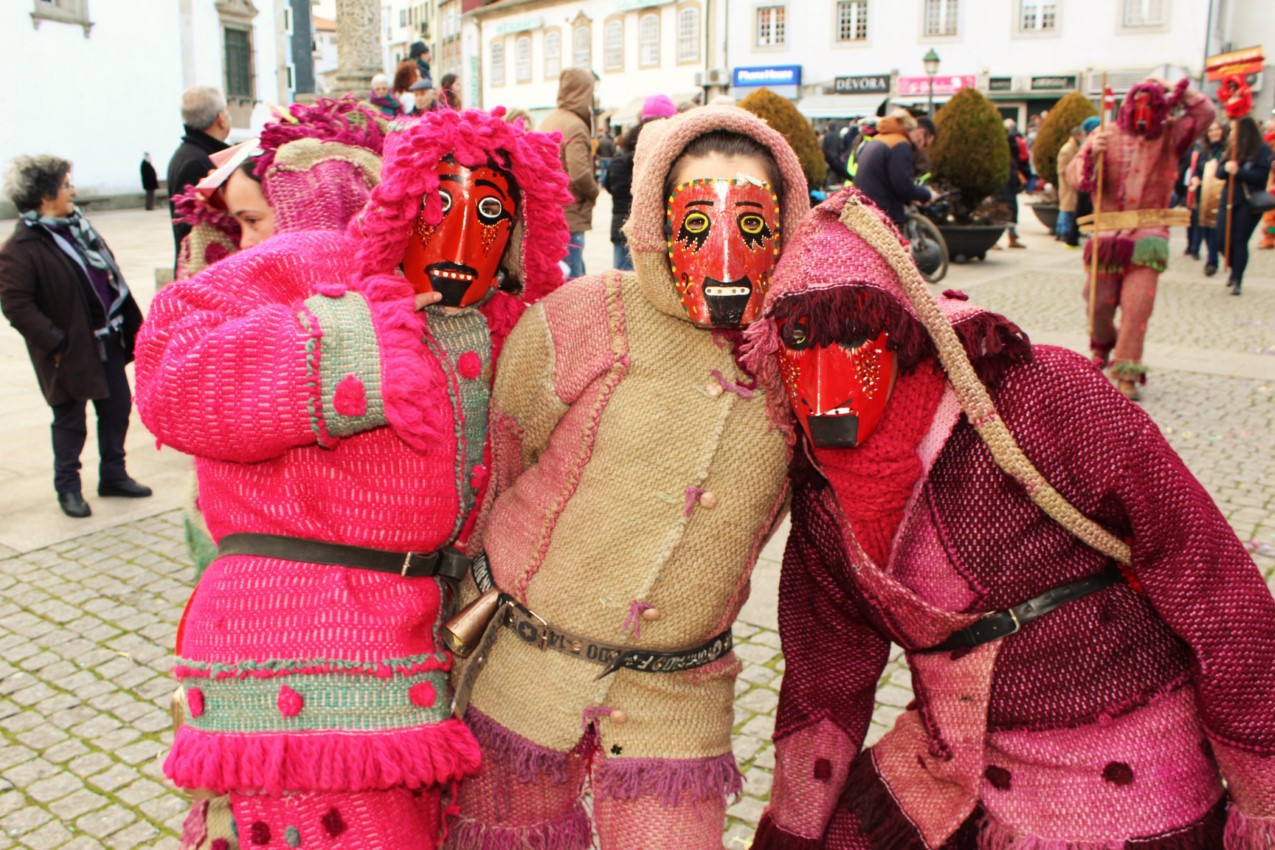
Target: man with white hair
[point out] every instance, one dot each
(207, 124)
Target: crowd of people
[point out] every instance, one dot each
(480, 522)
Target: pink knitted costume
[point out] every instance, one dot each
(636, 475)
(1108, 723)
(1139, 170)
(319, 404)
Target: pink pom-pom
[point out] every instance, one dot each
(214, 252)
(422, 694)
(955, 295)
(195, 701)
(290, 702)
(469, 365)
(350, 398)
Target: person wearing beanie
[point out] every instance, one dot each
(636, 474)
(658, 106)
(1141, 154)
(573, 119)
(337, 408)
(1067, 594)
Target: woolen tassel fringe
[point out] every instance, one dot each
(993, 345)
(572, 831)
(1114, 254)
(881, 819)
(771, 837)
(528, 760)
(1245, 832)
(1203, 834)
(857, 310)
(272, 763)
(671, 780)
(1151, 252)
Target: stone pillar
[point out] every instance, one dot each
(358, 46)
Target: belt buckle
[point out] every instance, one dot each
(1012, 616)
(543, 631)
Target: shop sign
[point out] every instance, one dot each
(866, 84)
(947, 84)
(519, 25)
(1000, 83)
(1243, 62)
(1065, 82)
(770, 75)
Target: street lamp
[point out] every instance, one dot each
(931, 61)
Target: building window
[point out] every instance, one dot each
(553, 54)
(239, 63)
(1038, 16)
(852, 20)
(402, 17)
(688, 35)
(1144, 13)
(497, 63)
(770, 26)
(649, 41)
(63, 12)
(582, 47)
(940, 17)
(613, 45)
(522, 59)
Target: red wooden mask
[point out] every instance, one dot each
(460, 254)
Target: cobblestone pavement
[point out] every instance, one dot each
(86, 626)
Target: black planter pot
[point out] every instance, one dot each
(967, 242)
(1047, 213)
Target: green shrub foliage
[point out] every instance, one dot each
(781, 114)
(1067, 114)
(971, 153)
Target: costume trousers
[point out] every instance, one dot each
(366, 820)
(509, 805)
(70, 428)
(1133, 293)
(1243, 222)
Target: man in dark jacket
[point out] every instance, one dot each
(887, 165)
(62, 289)
(207, 124)
(573, 118)
(150, 180)
(835, 147)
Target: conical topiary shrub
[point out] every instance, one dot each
(971, 153)
(781, 114)
(1066, 115)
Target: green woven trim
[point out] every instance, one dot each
(1151, 252)
(1127, 369)
(202, 549)
(348, 348)
(289, 666)
(321, 702)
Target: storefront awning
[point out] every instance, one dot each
(839, 105)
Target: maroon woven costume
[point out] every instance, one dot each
(1108, 723)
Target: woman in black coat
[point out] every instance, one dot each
(62, 289)
(1249, 159)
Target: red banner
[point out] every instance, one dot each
(1243, 62)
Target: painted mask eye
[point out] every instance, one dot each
(696, 223)
(446, 198)
(794, 336)
(490, 210)
(751, 224)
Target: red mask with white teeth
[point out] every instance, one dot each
(459, 255)
(838, 392)
(723, 242)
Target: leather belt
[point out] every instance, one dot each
(533, 629)
(1002, 624)
(444, 563)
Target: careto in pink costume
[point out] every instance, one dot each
(319, 404)
(1109, 723)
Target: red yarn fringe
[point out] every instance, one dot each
(882, 821)
(993, 344)
(571, 831)
(272, 763)
(1241, 831)
(529, 761)
(771, 837)
(1204, 834)
(671, 780)
(1113, 252)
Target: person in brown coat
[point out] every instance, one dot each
(62, 289)
(574, 119)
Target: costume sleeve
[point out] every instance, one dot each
(244, 361)
(578, 159)
(1082, 171)
(18, 286)
(1192, 123)
(1201, 581)
(833, 659)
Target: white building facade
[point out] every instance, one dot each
(100, 82)
(843, 58)
(636, 48)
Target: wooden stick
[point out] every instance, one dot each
(1095, 238)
